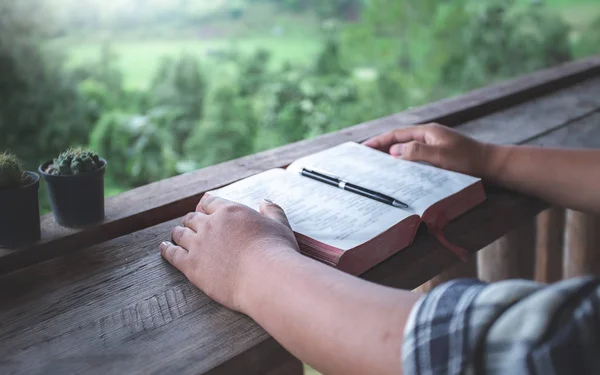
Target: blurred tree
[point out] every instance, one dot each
(588, 43)
(101, 83)
(228, 130)
(342, 9)
(253, 70)
(179, 88)
(41, 111)
(139, 148)
(501, 39)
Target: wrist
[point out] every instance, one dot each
(494, 162)
(258, 272)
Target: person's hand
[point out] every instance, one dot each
(223, 243)
(437, 145)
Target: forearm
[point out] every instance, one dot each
(568, 178)
(333, 321)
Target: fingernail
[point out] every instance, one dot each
(268, 200)
(396, 149)
(163, 245)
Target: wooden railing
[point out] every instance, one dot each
(566, 243)
(93, 278)
(171, 198)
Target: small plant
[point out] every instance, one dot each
(73, 162)
(75, 181)
(19, 205)
(11, 172)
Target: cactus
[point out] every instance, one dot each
(11, 172)
(73, 162)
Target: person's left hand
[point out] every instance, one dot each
(221, 244)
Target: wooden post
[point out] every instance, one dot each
(458, 271)
(550, 244)
(582, 256)
(511, 257)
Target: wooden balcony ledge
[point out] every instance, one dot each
(101, 299)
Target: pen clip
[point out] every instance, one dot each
(324, 173)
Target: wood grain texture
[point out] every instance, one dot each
(579, 133)
(544, 122)
(550, 245)
(118, 307)
(582, 255)
(567, 118)
(530, 121)
(582, 251)
(512, 256)
(171, 198)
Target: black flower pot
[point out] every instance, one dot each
(77, 200)
(20, 213)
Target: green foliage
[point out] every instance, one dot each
(74, 161)
(11, 172)
(102, 86)
(41, 110)
(201, 111)
(228, 129)
(343, 9)
(260, 108)
(589, 43)
(253, 71)
(140, 148)
(178, 92)
(329, 61)
(301, 105)
(500, 39)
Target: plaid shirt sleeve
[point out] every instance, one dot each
(509, 327)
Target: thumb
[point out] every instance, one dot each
(416, 151)
(274, 212)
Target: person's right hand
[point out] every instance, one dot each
(437, 145)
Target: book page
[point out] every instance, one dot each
(417, 184)
(322, 212)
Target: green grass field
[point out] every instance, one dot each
(577, 13)
(298, 42)
(289, 37)
(139, 59)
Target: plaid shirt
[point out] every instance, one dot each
(509, 327)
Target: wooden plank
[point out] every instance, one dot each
(579, 133)
(511, 257)
(459, 270)
(582, 255)
(521, 124)
(550, 244)
(547, 122)
(119, 307)
(582, 252)
(474, 231)
(167, 199)
(134, 312)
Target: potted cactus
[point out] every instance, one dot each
(20, 213)
(76, 187)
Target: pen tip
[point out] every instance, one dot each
(400, 204)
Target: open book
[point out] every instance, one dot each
(347, 230)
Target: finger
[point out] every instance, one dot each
(194, 221)
(183, 237)
(209, 204)
(273, 211)
(174, 254)
(384, 141)
(416, 151)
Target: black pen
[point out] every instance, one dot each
(338, 182)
